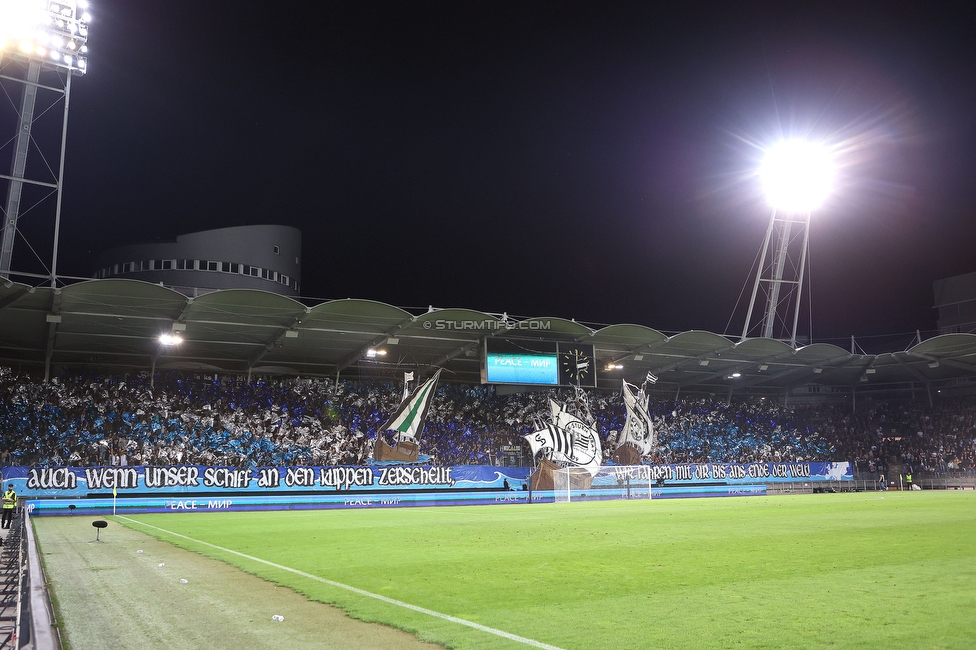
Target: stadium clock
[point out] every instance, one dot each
(577, 365)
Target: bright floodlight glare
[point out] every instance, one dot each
(797, 175)
(170, 339)
(54, 30)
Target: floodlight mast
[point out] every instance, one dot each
(797, 177)
(48, 38)
(787, 237)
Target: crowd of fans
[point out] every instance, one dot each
(937, 439)
(88, 419)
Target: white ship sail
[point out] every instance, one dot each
(638, 429)
(555, 407)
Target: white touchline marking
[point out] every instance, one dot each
(361, 592)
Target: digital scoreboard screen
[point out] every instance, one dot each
(522, 369)
(538, 363)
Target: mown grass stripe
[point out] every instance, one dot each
(392, 601)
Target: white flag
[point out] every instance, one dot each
(540, 440)
(407, 378)
(638, 429)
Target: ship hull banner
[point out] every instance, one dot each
(34, 482)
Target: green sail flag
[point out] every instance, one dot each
(409, 417)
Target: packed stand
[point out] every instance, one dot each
(88, 419)
(936, 440)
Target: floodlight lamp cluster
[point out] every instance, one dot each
(797, 175)
(54, 32)
(168, 340)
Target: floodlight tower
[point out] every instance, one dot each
(43, 43)
(797, 176)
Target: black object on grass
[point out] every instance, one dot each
(99, 524)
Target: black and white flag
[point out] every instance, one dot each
(638, 429)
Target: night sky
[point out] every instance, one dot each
(591, 161)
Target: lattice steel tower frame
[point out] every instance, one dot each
(778, 287)
(43, 44)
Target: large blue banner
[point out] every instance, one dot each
(188, 488)
(32, 482)
(741, 473)
(199, 479)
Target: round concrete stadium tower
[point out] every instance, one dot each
(267, 258)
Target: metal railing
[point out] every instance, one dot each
(26, 613)
(952, 479)
(12, 575)
(947, 482)
(813, 487)
(44, 631)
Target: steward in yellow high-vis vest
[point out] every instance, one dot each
(9, 506)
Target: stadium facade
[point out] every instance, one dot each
(955, 298)
(265, 258)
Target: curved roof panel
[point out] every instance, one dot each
(698, 342)
(951, 345)
(23, 311)
(369, 313)
(121, 298)
(822, 353)
(626, 336)
(764, 348)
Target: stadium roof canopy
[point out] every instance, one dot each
(114, 325)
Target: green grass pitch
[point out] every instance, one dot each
(865, 570)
